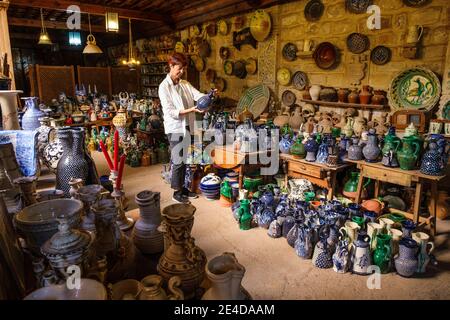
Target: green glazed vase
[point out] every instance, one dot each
(245, 217)
(409, 153)
(383, 253)
(298, 149)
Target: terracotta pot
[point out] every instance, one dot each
(306, 94)
(353, 97)
(365, 95)
(343, 95)
(374, 205)
(379, 97)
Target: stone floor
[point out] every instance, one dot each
(273, 270)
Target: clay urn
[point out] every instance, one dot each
(365, 95)
(379, 97)
(353, 97)
(343, 94)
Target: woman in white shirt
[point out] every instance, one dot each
(177, 100)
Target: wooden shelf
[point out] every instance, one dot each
(440, 120)
(153, 74)
(345, 105)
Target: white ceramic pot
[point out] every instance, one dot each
(314, 92)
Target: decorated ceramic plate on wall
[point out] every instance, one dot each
(254, 100)
(357, 42)
(228, 67)
(326, 55)
(260, 25)
(417, 88)
(314, 10)
(299, 80)
(289, 51)
(284, 76)
(416, 3)
(357, 6)
(288, 98)
(380, 55)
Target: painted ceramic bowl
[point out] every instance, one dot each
(89, 290)
(210, 180)
(38, 222)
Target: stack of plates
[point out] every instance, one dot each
(231, 177)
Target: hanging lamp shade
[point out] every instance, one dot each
(132, 62)
(112, 22)
(91, 45)
(44, 38)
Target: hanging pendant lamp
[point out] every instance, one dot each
(132, 61)
(91, 45)
(44, 38)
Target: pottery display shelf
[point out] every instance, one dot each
(379, 173)
(346, 105)
(227, 158)
(317, 173)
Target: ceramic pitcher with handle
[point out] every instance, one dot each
(414, 34)
(422, 240)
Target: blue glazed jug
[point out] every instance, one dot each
(205, 102)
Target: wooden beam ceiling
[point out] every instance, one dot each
(94, 9)
(58, 25)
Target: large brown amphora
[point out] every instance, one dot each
(181, 256)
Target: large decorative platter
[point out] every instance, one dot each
(417, 88)
(260, 25)
(254, 100)
(380, 55)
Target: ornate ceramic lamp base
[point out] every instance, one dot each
(125, 223)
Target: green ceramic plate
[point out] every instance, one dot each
(418, 88)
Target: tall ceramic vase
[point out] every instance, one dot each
(145, 234)
(72, 163)
(181, 256)
(225, 274)
(8, 104)
(30, 119)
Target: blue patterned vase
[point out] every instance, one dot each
(30, 119)
(406, 262)
(432, 161)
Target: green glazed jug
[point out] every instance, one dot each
(359, 220)
(409, 153)
(383, 252)
(389, 151)
(298, 149)
(245, 217)
(225, 190)
(351, 186)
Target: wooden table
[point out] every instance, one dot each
(228, 158)
(406, 178)
(318, 173)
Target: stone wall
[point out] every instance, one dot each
(290, 25)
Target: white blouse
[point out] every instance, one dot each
(174, 98)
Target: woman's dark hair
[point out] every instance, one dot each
(177, 59)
